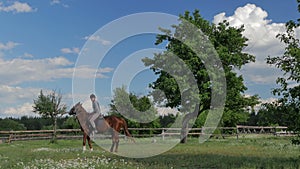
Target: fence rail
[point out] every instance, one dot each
(9, 136)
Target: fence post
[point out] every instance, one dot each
(163, 134)
(10, 138)
(237, 132)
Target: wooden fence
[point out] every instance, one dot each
(9, 136)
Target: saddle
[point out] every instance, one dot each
(100, 117)
(98, 121)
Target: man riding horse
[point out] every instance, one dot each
(96, 113)
(112, 124)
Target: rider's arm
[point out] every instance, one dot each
(96, 107)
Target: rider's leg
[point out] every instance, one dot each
(92, 121)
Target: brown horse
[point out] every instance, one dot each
(103, 124)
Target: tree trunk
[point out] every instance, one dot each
(54, 136)
(184, 133)
(185, 122)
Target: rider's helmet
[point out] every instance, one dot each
(92, 96)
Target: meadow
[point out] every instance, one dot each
(247, 152)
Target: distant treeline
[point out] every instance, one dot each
(36, 123)
(67, 122)
(262, 118)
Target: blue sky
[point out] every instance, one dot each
(40, 42)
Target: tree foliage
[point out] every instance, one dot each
(137, 110)
(9, 124)
(229, 44)
(35, 123)
(49, 105)
(289, 90)
(71, 123)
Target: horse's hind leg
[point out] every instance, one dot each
(113, 145)
(117, 142)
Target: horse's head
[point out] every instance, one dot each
(75, 108)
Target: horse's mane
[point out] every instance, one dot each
(80, 108)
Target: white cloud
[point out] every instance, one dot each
(260, 31)
(65, 6)
(262, 43)
(70, 50)
(87, 72)
(87, 105)
(17, 7)
(27, 55)
(20, 70)
(8, 46)
(54, 2)
(263, 101)
(260, 72)
(12, 94)
(22, 110)
(165, 111)
(26, 109)
(15, 101)
(262, 79)
(292, 84)
(98, 39)
(268, 100)
(58, 2)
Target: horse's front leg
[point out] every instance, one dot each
(84, 141)
(90, 143)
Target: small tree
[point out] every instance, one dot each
(50, 106)
(138, 110)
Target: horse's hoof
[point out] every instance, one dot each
(91, 149)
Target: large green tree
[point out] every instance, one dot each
(50, 105)
(229, 44)
(289, 90)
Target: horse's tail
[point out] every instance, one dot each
(125, 127)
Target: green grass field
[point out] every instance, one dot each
(254, 152)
